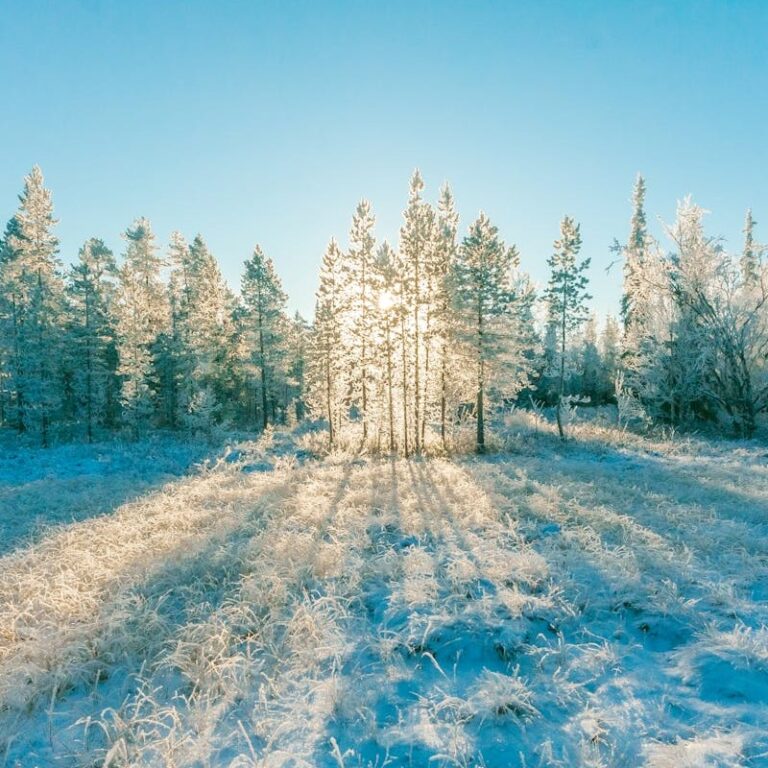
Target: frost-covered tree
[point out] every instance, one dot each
(566, 298)
(264, 312)
(487, 301)
(10, 412)
(751, 256)
(143, 319)
(417, 237)
(92, 336)
(722, 325)
(590, 363)
(642, 301)
(327, 354)
(179, 363)
(359, 310)
(33, 311)
(296, 352)
(389, 309)
(635, 257)
(610, 354)
(442, 328)
(203, 334)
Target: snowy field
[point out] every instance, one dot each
(599, 604)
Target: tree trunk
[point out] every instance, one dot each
(389, 391)
(331, 435)
(405, 388)
(89, 372)
(416, 339)
(443, 395)
(481, 408)
(425, 399)
(480, 378)
(561, 392)
(263, 366)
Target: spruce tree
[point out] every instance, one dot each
(11, 405)
(207, 335)
(751, 255)
(610, 354)
(591, 364)
(635, 256)
(297, 344)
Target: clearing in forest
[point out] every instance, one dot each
(592, 605)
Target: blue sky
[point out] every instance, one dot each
(266, 121)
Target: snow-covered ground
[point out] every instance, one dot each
(602, 603)
(41, 488)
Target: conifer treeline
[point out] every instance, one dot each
(157, 340)
(406, 341)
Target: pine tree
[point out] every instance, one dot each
(359, 309)
(264, 310)
(416, 239)
(444, 258)
(327, 358)
(566, 297)
(389, 309)
(34, 310)
(143, 322)
(92, 332)
(488, 309)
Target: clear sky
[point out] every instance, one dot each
(266, 121)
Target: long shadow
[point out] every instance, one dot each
(596, 586)
(399, 703)
(391, 700)
(167, 598)
(41, 491)
(659, 557)
(640, 630)
(653, 480)
(650, 489)
(694, 480)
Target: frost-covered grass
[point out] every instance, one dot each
(43, 488)
(602, 603)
